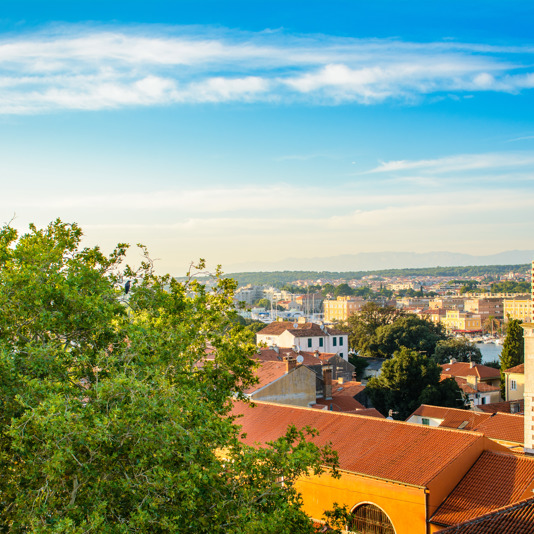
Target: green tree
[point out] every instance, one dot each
(513, 349)
(408, 380)
(408, 331)
(461, 349)
(360, 365)
(362, 327)
(113, 416)
(343, 290)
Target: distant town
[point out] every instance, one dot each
(475, 302)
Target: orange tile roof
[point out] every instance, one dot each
(519, 369)
(297, 329)
(470, 390)
(393, 450)
(495, 480)
(504, 407)
(513, 519)
(503, 426)
(350, 388)
(341, 403)
(463, 369)
(497, 426)
(266, 373)
(267, 354)
(452, 417)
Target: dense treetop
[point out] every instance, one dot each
(114, 408)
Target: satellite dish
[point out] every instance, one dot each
(295, 325)
(300, 358)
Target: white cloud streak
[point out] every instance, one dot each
(457, 163)
(88, 69)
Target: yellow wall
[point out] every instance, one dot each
(404, 505)
(514, 394)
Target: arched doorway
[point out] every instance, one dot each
(369, 519)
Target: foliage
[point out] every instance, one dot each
(279, 278)
(411, 332)
(513, 349)
(510, 286)
(362, 327)
(408, 380)
(459, 348)
(360, 365)
(113, 418)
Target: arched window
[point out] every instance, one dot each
(369, 519)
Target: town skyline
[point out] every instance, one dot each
(255, 133)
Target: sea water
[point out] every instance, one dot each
(490, 351)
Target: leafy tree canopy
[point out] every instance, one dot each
(461, 349)
(408, 380)
(408, 331)
(362, 327)
(513, 349)
(113, 419)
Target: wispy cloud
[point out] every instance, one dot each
(457, 163)
(92, 68)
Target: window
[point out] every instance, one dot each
(340, 341)
(513, 385)
(425, 421)
(309, 342)
(320, 342)
(369, 519)
(334, 339)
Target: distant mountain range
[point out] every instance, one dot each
(371, 261)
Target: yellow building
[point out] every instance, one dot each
(341, 308)
(397, 477)
(457, 321)
(515, 382)
(518, 308)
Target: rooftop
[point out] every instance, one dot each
(519, 369)
(394, 450)
(496, 426)
(463, 369)
(516, 518)
(495, 480)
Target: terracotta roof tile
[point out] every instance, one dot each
(513, 519)
(267, 372)
(503, 426)
(297, 329)
(495, 480)
(504, 407)
(497, 426)
(341, 403)
(394, 450)
(520, 369)
(271, 355)
(463, 369)
(452, 417)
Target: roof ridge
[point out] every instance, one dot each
(428, 428)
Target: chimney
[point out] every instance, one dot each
(276, 349)
(327, 380)
(472, 380)
(471, 364)
(340, 380)
(291, 363)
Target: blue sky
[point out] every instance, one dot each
(257, 131)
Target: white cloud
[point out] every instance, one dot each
(464, 162)
(84, 68)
